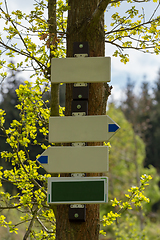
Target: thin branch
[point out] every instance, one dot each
(39, 3)
(120, 23)
(20, 35)
(21, 163)
(135, 48)
(6, 180)
(6, 7)
(22, 53)
(43, 226)
(31, 224)
(132, 28)
(155, 11)
(11, 207)
(27, 220)
(33, 180)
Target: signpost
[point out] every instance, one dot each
(68, 190)
(99, 128)
(75, 159)
(79, 129)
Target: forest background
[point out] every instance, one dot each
(134, 151)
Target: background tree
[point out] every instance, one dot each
(8, 101)
(154, 151)
(143, 112)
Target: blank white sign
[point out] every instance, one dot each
(81, 70)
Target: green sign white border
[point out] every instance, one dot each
(72, 179)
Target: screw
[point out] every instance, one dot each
(81, 45)
(79, 96)
(76, 215)
(79, 106)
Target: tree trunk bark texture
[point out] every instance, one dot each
(54, 103)
(81, 29)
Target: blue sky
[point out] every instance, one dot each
(140, 64)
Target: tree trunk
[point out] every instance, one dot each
(80, 28)
(54, 103)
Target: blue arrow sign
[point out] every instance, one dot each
(43, 159)
(67, 159)
(112, 127)
(96, 128)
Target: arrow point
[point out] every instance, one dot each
(43, 159)
(112, 127)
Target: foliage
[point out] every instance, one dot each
(26, 30)
(31, 196)
(125, 30)
(129, 229)
(132, 30)
(135, 198)
(127, 153)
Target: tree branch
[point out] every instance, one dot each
(31, 224)
(128, 47)
(11, 207)
(132, 28)
(98, 11)
(23, 53)
(43, 226)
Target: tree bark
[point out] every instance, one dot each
(54, 103)
(84, 26)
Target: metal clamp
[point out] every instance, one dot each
(80, 84)
(78, 114)
(77, 206)
(79, 144)
(81, 55)
(77, 174)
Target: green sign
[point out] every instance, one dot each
(70, 190)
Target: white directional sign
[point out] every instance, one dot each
(97, 128)
(70, 190)
(75, 159)
(78, 70)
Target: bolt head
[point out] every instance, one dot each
(81, 45)
(76, 215)
(79, 96)
(78, 106)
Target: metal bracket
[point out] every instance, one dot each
(80, 84)
(77, 212)
(77, 174)
(80, 144)
(78, 114)
(81, 55)
(77, 206)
